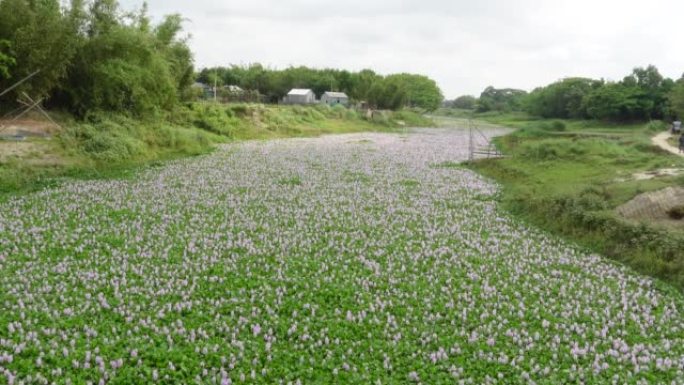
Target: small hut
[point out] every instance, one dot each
(202, 90)
(233, 89)
(333, 98)
(300, 96)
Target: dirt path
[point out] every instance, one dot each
(660, 140)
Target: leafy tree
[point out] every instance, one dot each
(362, 83)
(505, 99)
(91, 55)
(388, 93)
(648, 78)
(420, 90)
(466, 102)
(6, 61)
(676, 98)
(175, 49)
(619, 102)
(256, 77)
(642, 95)
(655, 88)
(119, 71)
(41, 39)
(562, 99)
(104, 16)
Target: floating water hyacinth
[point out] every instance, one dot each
(368, 258)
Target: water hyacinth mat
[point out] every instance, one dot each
(351, 259)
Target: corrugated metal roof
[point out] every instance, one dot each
(299, 91)
(332, 94)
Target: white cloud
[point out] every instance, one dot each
(464, 45)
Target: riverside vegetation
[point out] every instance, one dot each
(114, 145)
(569, 177)
(643, 95)
(121, 87)
(572, 160)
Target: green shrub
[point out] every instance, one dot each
(353, 115)
(647, 147)
(592, 200)
(106, 147)
(411, 118)
(530, 132)
(557, 125)
(117, 139)
(543, 150)
(656, 125)
(215, 118)
(239, 110)
(380, 117)
(676, 213)
(339, 111)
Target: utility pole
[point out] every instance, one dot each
(471, 144)
(215, 83)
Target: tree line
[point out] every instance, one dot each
(642, 95)
(93, 56)
(386, 92)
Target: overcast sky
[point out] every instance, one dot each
(463, 45)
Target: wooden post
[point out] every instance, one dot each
(471, 149)
(20, 82)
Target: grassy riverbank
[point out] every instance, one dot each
(570, 176)
(106, 145)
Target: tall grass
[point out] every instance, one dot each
(102, 142)
(116, 138)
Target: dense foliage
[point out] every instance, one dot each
(616, 101)
(93, 56)
(5, 60)
(642, 95)
(505, 99)
(563, 99)
(388, 92)
(465, 102)
(676, 98)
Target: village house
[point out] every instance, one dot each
(205, 91)
(234, 89)
(300, 96)
(333, 98)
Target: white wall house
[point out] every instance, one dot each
(300, 96)
(333, 98)
(234, 89)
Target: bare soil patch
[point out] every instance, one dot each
(663, 172)
(32, 152)
(657, 206)
(27, 127)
